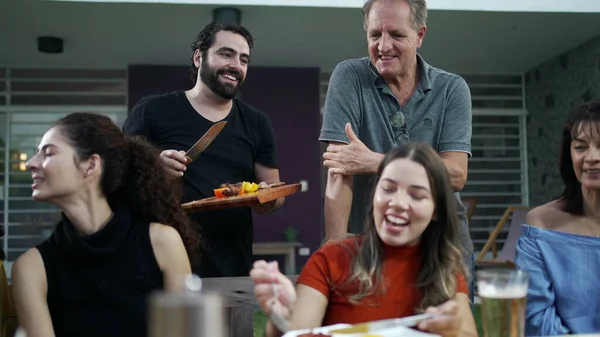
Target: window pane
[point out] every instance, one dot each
(99, 100)
(3, 123)
(69, 73)
(103, 87)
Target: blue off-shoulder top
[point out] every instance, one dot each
(564, 292)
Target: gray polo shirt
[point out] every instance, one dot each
(438, 113)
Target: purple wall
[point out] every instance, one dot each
(290, 96)
(291, 99)
(151, 80)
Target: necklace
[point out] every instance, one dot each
(590, 228)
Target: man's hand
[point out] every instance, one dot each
(174, 162)
(269, 175)
(269, 207)
(353, 158)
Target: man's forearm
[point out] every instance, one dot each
(375, 161)
(338, 202)
(458, 177)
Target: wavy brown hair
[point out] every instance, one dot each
(441, 259)
(132, 174)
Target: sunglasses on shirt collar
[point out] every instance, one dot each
(398, 122)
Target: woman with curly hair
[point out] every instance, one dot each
(406, 262)
(121, 237)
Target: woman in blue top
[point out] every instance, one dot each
(560, 244)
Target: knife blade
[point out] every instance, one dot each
(204, 141)
(408, 322)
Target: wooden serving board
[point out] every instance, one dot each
(245, 200)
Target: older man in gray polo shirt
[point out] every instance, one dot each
(390, 98)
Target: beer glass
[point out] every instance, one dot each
(189, 313)
(503, 294)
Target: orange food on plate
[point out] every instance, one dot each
(232, 190)
(219, 192)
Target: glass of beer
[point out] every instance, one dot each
(503, 294)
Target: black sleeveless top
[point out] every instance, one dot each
(98, 285)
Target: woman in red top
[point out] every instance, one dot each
(406, 262)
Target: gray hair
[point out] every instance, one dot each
(418, 12)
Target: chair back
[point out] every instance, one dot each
(4, 292)
(8, 315)
(470, 208)
(509, 249)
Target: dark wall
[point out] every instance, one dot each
(552, 90)
(290, 96)
(151, 80)
(291, 99)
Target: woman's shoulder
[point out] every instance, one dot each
(345, 246)
(163, 236)
(556, 227)
(548, 216)
(335, 255)
(29, 265)
(329, 264)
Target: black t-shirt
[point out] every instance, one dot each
(170, 122)
(98, 285)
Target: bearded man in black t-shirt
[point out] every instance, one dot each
(244, 150)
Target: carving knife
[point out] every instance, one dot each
(204, 141)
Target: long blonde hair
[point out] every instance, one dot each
(441, 259)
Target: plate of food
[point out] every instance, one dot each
(395, 327)
(340, 330)
(242, 194)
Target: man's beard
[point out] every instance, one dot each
(210, 77)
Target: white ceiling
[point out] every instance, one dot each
(572, 6)
(101, 35)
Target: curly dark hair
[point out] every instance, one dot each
(206, 38)
(132, 174)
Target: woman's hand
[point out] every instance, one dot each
(446, 323)
(266, 277)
